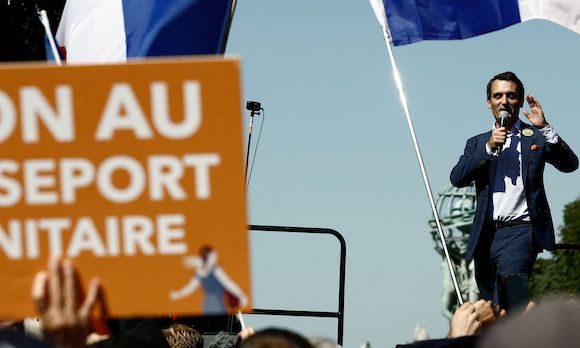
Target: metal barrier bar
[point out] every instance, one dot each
(339, 315)
(567, 246)
(295, 313)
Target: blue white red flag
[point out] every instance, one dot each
(409, 21)
(50, 57)
(52, 54)
(105, 31)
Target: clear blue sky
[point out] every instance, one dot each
(336, 152)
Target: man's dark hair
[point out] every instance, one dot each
(183, 336)
(278, 338)
(507, 76)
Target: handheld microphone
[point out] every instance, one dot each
(503, 114)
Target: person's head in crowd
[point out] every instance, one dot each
(183, 336)
(11, 339)
(30, 326)
(323, 342)
(550, 324)
(276, 338)
(223, 340)
(33, 327)
(10, 325)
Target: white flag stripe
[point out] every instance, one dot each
(563, 12)
(86, 39)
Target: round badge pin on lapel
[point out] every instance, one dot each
(528, 132)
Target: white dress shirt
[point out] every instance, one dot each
(508, 197)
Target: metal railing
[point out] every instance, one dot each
(567, 246)
(339, 315)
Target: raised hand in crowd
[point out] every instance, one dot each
(464, 321)
(62, 306)
(471, 318)
(246, 333)
(487, 313)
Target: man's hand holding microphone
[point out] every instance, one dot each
(499, 134)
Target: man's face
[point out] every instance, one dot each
(504, 96)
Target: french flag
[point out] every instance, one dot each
(111, 31)
(409, 21)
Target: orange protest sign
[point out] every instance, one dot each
(134, 171)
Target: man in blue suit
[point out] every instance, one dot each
(512, 222)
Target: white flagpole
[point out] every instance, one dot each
(48, 33)
(381, 16)
(241, 319)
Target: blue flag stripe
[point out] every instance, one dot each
(415, 20)
(173, 28)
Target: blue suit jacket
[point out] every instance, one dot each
(474, 165)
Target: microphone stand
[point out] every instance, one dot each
(250, 128)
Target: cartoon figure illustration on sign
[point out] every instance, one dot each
(219, 290)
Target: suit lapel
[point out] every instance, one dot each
(527, 141)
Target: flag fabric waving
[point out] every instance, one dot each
(105, 31)
(410, 21)
(52, 54)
